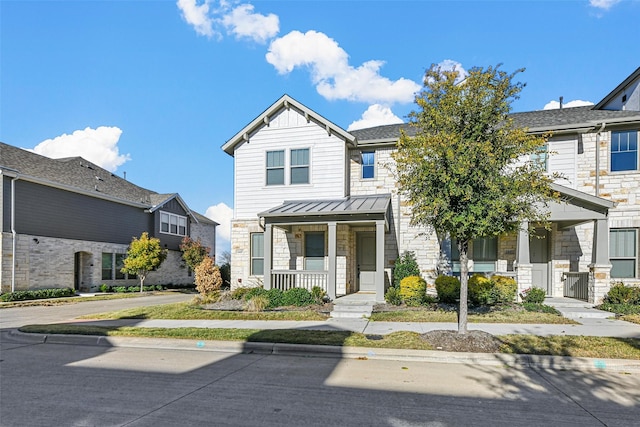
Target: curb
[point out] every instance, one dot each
(360, 353)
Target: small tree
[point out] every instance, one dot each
(463, 172)
(144, 254)
(193, 252)
(406, 265)
(225, 268)
(208, 278)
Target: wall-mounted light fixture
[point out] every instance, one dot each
(36, 241)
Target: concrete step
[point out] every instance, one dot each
(581, 313)
(351, 311)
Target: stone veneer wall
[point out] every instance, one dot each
(45, 262)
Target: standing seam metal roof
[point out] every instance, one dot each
(373, 204)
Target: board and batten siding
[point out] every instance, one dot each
(562, 159)
(287, 130)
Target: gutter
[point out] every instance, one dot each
(13, 233)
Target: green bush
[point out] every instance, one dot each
(539, 308)
(239, 293)
(448, 289)
(405, 266)
(620, 308)
(533, 295)
(159, 287)
(413, 289)
(505, 290)
(37, 294)
(105, 288)
(275, 297)
(393, 296)
(621, 294)
(299, 297)
(318, 294)
(481, 290)
(254, 292)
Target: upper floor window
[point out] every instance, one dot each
(541, 158)
(173, 224)
(257, 254)
(300, 166)
(623, 252)
(624, 151)
(368, 159)
(275, 167)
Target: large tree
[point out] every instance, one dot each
(144, 254)
(465, 173)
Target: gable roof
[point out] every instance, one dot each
(620, 87)
(284, 102)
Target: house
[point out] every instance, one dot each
(316, 205)
(68, 223)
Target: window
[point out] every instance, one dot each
(368, 160)
(275, 167)
(624, 151)
(300, 166)
(623, 252)
(483, 252)
(257, 254)
(541, 158)
(314, 251)
(173, 224)
(111, 266)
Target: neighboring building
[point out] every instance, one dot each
(317, 205)
(68, 223)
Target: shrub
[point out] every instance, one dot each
(297, 296)
(621, 294)
(239, 293)
(481, 290)
(533, 295)
(208, 278)
(133, 289)
(448, 288)
(318, 294)
(159, 288)
(540, 308)
(254, 292)
(393, 296)
(413, 289)
(257, 302)
(105, 288)
(506, 289)
(405, 266)
(275, 297)
(37, 294)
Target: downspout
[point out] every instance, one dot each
(13, 233)
(598, 159)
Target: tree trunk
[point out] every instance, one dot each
(463, 248)
(142, 277)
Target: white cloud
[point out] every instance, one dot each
(552, 105)
(244, 23)
(99, 146)
(603, 4)
(376, 115)
(331, 73)
(239, 20)
(222, 214)
(197, 15)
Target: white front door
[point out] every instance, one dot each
(366, 261)
(539, 257)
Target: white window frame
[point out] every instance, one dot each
(173, 220)
(637, 150)
(299, 166)
(259, 248)
(634, 257)
(268, 168)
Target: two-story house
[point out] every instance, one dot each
(316, 205)
(68, 223)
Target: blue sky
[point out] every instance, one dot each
(154, 88)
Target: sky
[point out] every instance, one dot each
(153, 88)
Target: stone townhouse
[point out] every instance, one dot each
(316, 205)
(68, 223)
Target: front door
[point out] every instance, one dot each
(366, 259)
(539, 256)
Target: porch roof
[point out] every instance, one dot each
(348, 209)
(576, 207)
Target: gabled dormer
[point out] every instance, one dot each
(625, 97)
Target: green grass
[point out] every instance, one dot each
(75, 300)
(575, 346)
(633, 318)
(187, 311)
(500, 316)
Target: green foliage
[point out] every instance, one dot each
(413, 289)
(193, 251)
(533, 295)
(105, 288)
(481, 290)
(539, 308)
(275, 297)
(253, 292)
(299, 297)
(318, 294)
(620, 308)
(448, 288)
(239, 293)
(505, 290)
(208, 278)
(37, 294)
(405, 266)
(144, 254)
(393, 296)
(621, 294)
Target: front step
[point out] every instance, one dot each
(351, 311)
(576, 309)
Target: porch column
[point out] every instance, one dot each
(268, 237)
(523, 266)
(380, 261)
(600, 267)
(333, 244)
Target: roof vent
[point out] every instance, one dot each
(99, 179)
(561, 101)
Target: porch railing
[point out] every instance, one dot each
(576, 285)
(287, 279)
